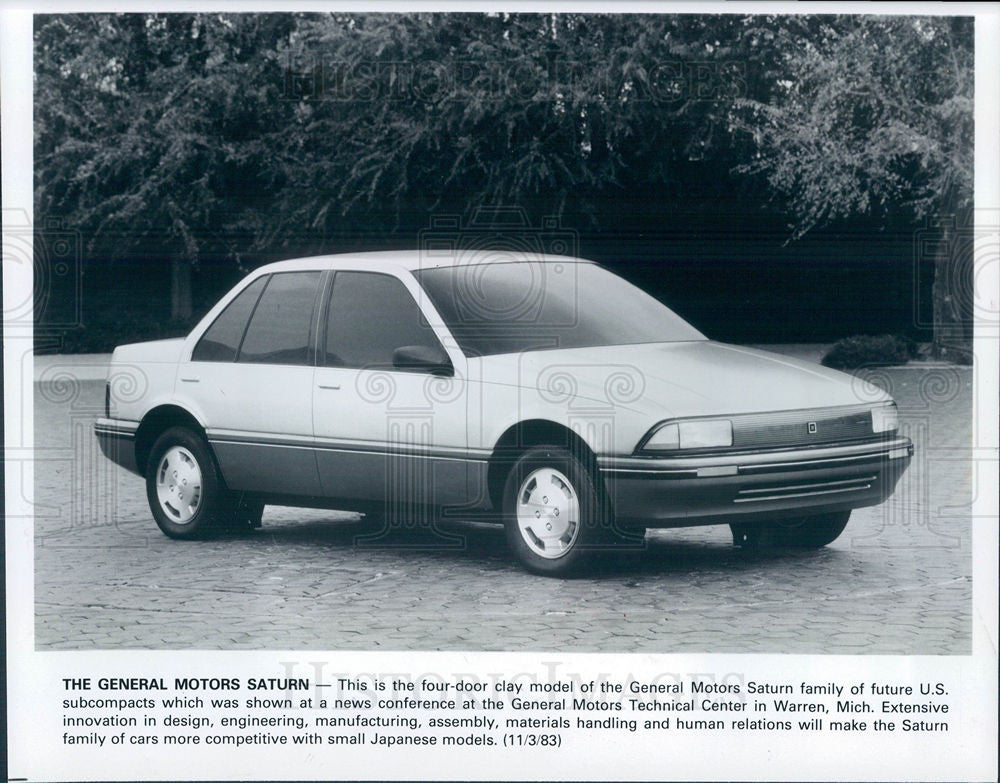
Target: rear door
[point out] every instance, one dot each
(384, 434)
(252, 375)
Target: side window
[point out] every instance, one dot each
(279, 329)
(370, 316)
(221, 340)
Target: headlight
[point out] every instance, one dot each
(885, 418)
(710, 433)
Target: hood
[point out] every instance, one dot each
(696, 378)
(151, 351)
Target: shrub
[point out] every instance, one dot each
(870, 350)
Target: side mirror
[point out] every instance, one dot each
(422, 358)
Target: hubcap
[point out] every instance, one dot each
(548, 513)
(178, 485)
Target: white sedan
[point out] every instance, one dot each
(546, 391)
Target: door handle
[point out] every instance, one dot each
(330, 387)
(194, 379)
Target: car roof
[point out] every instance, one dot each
(415, 260)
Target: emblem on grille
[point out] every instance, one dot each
(812, 428)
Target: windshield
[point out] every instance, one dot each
(525, 306)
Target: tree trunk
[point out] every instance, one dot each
(952, 293)
(180, 289)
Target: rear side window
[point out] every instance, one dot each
(221, 340)
(279, 331)
(370, 316)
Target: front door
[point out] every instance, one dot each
(384, 434)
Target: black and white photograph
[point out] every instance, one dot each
(697, 288)
(547, 330)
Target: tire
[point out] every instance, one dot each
(185, 491)
(573, 517)
(808, 532)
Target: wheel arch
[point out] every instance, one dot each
(523, 435)
(156, 422)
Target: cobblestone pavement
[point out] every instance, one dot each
(897, 581)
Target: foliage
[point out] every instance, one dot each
(426, 112)
(874, 116)
(870, 351)
(152, 131)
(150, 127)
(868, 115)
(171, 131)
(240, 138)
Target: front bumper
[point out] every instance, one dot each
(760, 484)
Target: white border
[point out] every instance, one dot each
(16, 132)
(33, 676)
(986, 391)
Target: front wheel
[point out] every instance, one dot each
(555, 516)
(183, 487)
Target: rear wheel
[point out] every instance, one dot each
(555, 516)
(184, 489)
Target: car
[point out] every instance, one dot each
(544, 392)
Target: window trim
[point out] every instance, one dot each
(222, 312)
(310, 341)
(321, 343)
(246, 326)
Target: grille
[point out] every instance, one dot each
(793, 428)
(804, 490)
